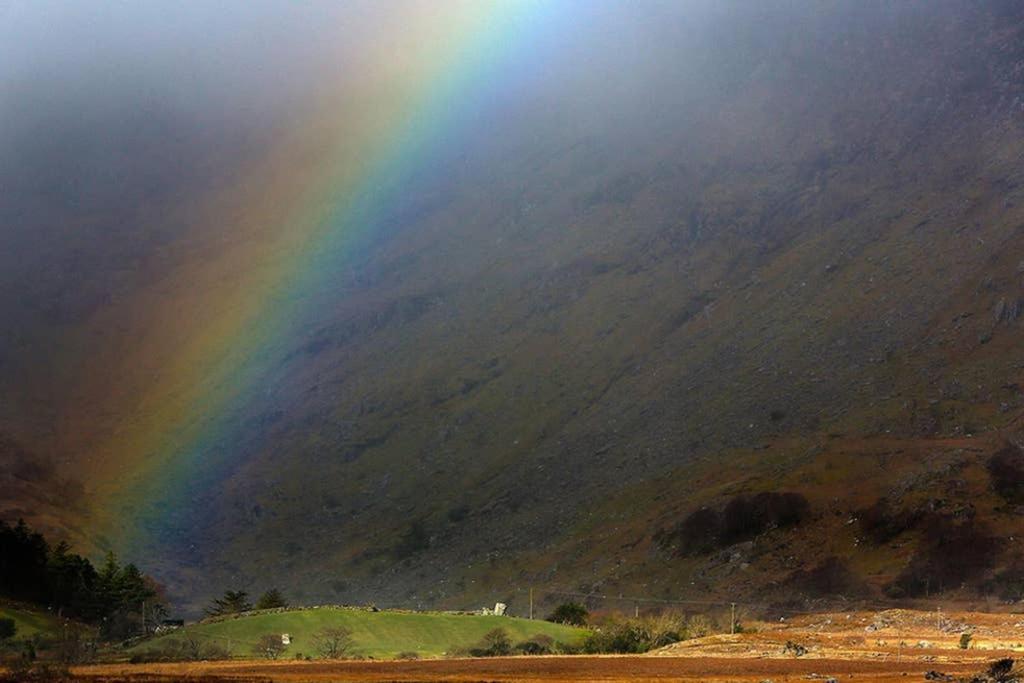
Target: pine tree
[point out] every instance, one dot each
(271, 599)
(232, 602)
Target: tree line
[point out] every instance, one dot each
(118, 598)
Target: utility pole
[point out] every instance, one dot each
(636, 610)
(143, 617)
(732, 618)
(531, 602)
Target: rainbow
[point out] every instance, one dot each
(289, 223)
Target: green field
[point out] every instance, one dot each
(30, 623)
(374, 634)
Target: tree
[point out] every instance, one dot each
(333, 642)
(271, 600)
(58, 579)
(72, 580)
(232, 602)
(108, 584)
(572, 613)
(269, 646)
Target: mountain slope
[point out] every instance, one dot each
(787, 258)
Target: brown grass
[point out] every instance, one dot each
(882, 647)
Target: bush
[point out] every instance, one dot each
(408, 655)
(76, 646)
(333, 642)
(269, 646)
(700, 625)
(634, 636)
(7, 629)
(495, 643)
(539, 644)
(1006, 470)
(1001, 670)
(620, 637)
(965, 640)
(572, 613)
(1007, 584)
(696, 535)
(880, 523)
(743, 517)
(183, 649)
(950, 554)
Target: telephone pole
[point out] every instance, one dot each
(531, 602)
(732, 618)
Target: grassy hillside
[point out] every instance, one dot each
(30, 623)
(375, 634)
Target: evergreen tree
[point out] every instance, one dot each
(68, 584)
(271, 599)
(232, 602)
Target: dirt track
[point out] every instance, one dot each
(605, 668)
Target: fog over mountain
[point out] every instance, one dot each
(427, 302)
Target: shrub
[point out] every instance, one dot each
(539, 644)
(620, 637)
(697, 534)
(333, 642)
(185, 648)
(7, 629)
(965, 640)
(408, 655)
(1006, 470)
(1001, 670)
(880, 523)
(76, 645)
(495, 643)
(742, 518)
(666, 629)
(213, 652)
(700, 625)
(745, 517)
(269, 646)
(1007, 584)
(572, 613)
(950, 554)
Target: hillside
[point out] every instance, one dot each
(691, 259)
(31, 623)
(381, 635)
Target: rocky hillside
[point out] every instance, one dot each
(793, 263)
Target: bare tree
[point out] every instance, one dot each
(333, 642)
(269, 646)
